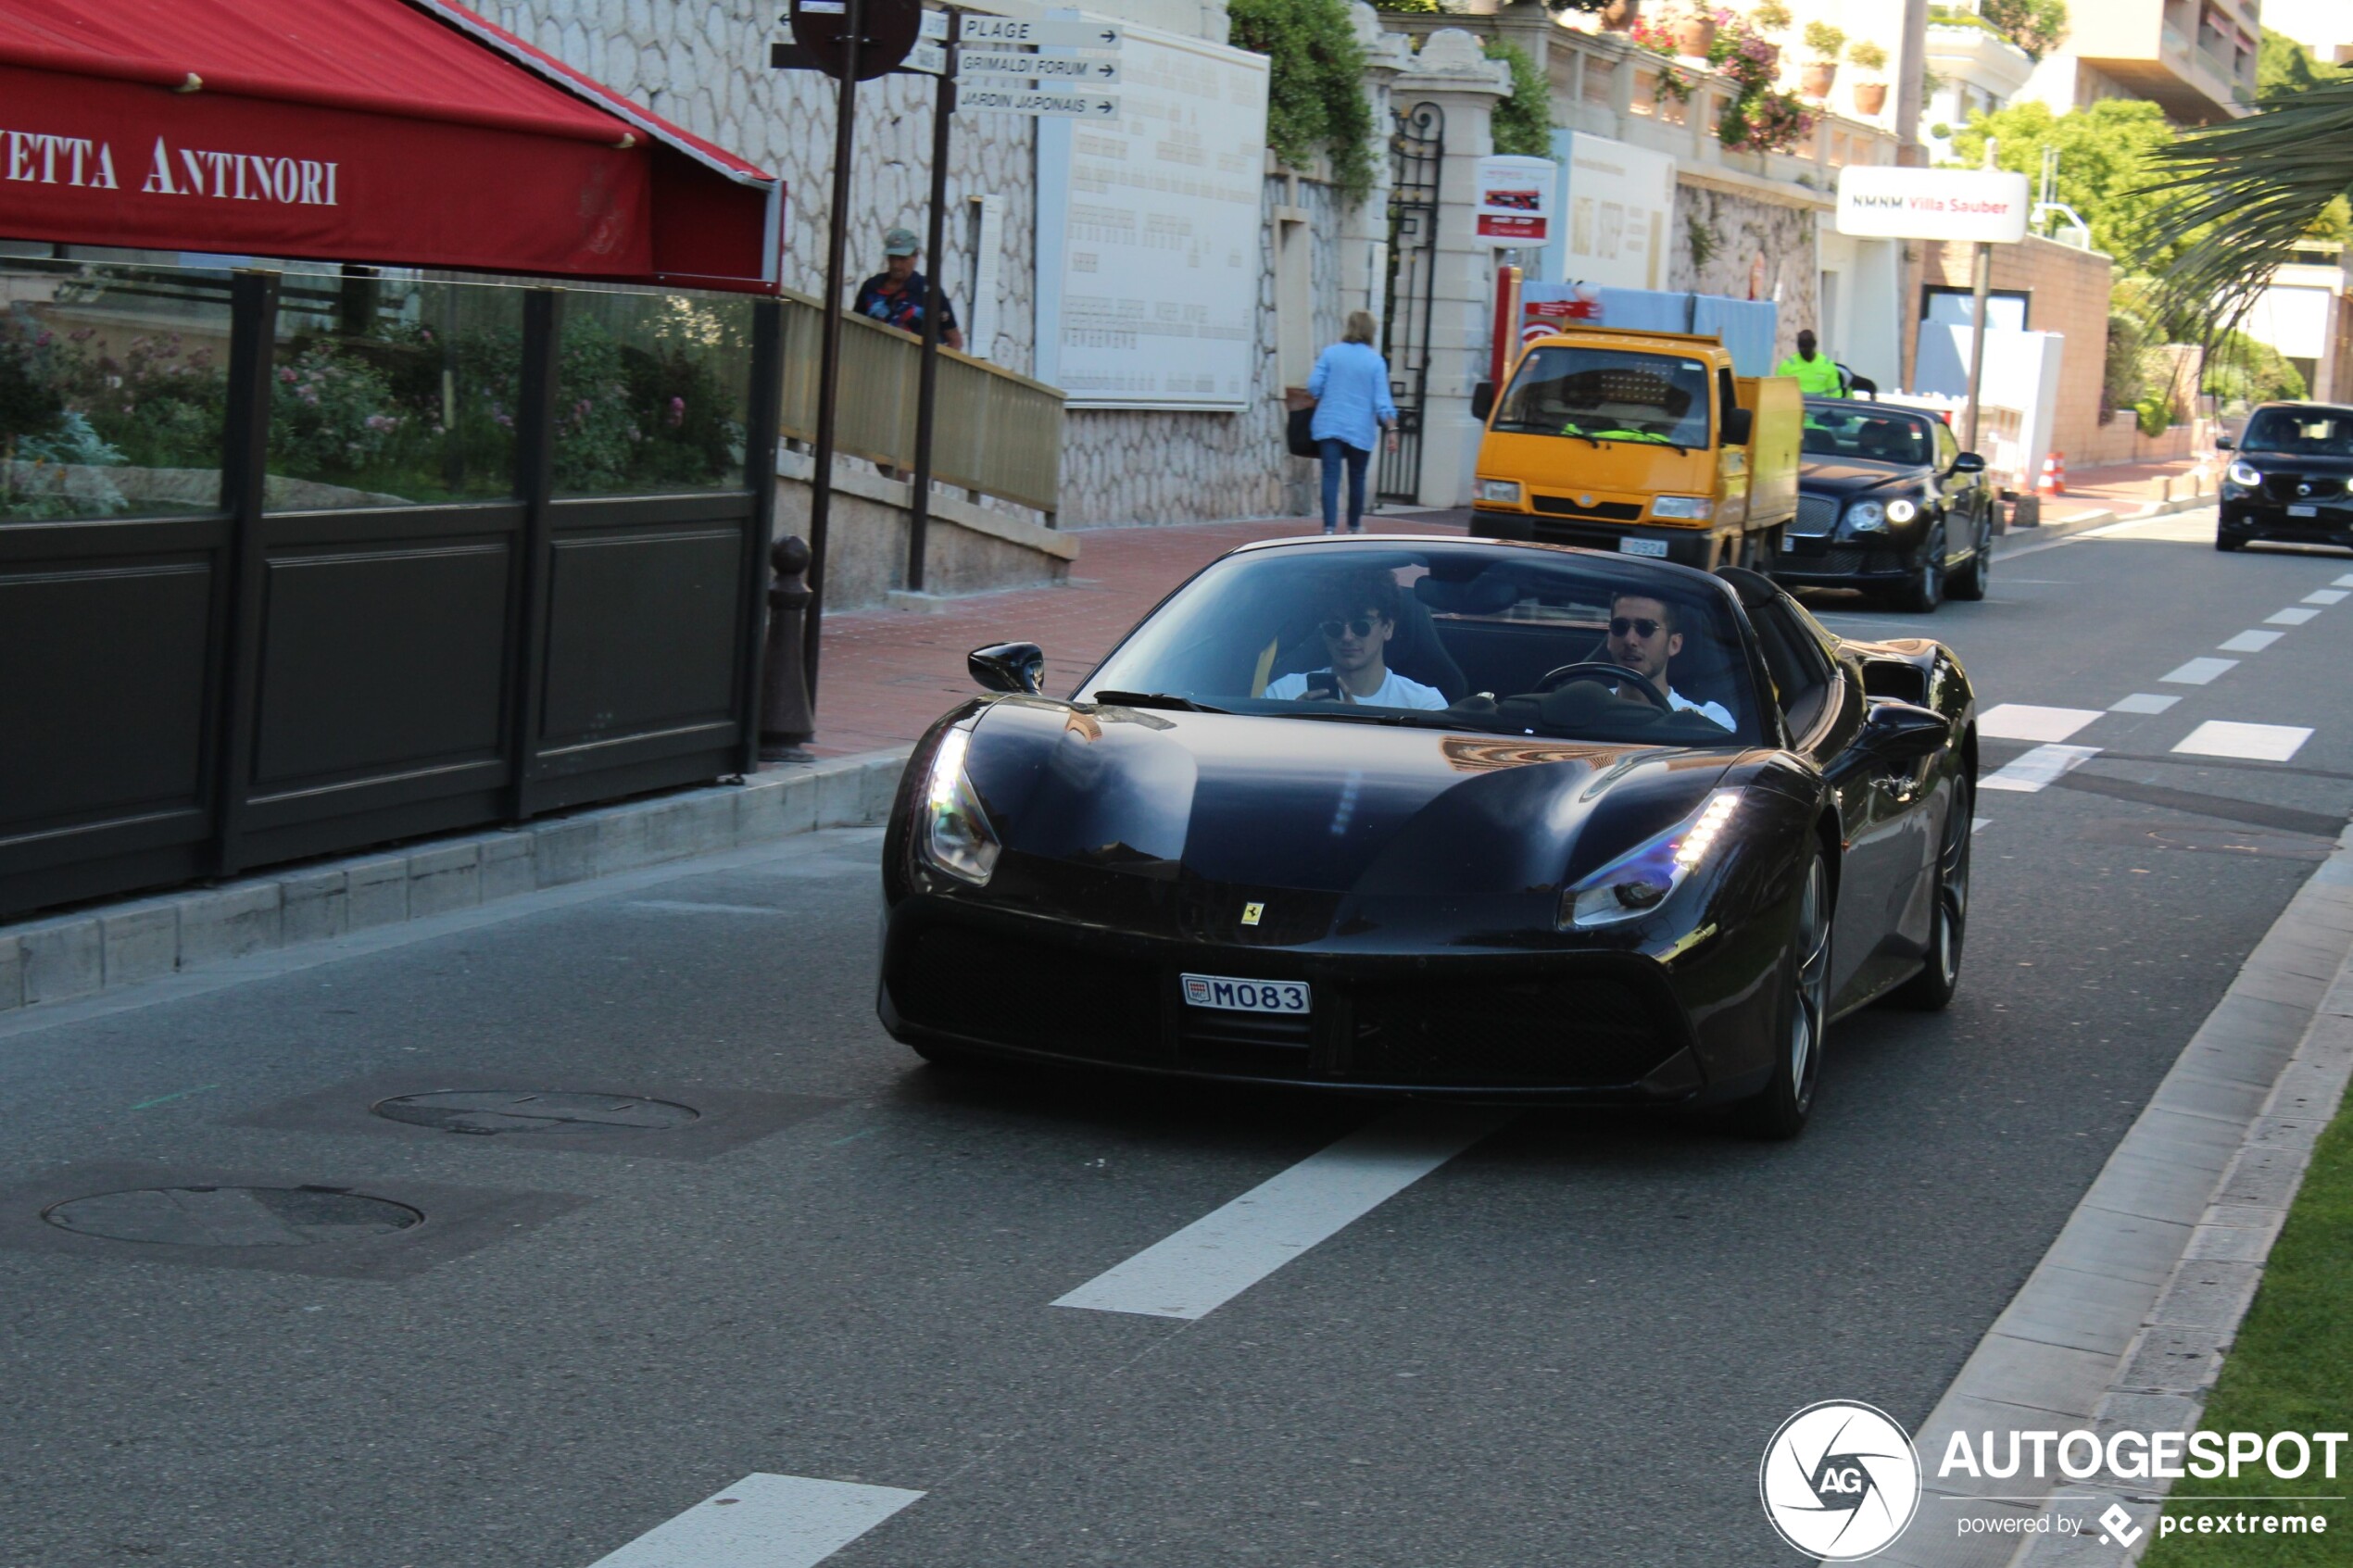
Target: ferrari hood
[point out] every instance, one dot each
(1331, 807)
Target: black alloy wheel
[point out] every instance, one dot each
(1931, 989)
(1779, 1110)
(1978, 576)
(1926, 590)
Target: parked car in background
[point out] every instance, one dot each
(1888, 501)
(2289, 477)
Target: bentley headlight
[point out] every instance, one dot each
(1501, 492)
(1641, 880)
(2241, 472)
(1692, 509)
(1867, 517)
(1901, 511)
(956, 836)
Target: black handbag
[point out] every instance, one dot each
(1299, 433)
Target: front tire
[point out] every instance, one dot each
(1931, 989)
(1926, 590)
(1978, 575)
(1780, 1109)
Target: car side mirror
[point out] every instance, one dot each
(2225, 444)
(1968, 462)
(1902, 733)
(1740, 424)
(1008, 667)
(1482, 401)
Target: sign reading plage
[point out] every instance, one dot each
(1514, 200)
(1882, 202)
(1150, 235)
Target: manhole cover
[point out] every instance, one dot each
(232, 1216)
(516, 1111)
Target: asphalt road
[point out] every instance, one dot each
(1566, 1345)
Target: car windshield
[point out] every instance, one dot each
(1868, 433)
(1608, 395)
(2300, 432)
(1460, 637)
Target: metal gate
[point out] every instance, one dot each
(1416, 149)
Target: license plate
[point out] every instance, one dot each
(1627, 546)
(2303, 511)
(1245, 996)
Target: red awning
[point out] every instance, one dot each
(401, 132)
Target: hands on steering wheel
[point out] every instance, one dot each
(1601, 672)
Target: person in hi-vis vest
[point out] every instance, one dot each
(1816, 376)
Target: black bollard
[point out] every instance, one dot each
(786, 721)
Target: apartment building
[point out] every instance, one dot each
(2193, 59)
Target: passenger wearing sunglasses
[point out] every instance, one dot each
(1356, 627)
(1643, 638)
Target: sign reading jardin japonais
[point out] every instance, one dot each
(1986, 205)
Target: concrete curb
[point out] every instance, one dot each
(2125, 1321)
(2052, 533)
(106, 947)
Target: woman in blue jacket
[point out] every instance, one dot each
(1350, 384)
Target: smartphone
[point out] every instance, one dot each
(1324, 682)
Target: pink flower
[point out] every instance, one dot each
(677, 411)
(287, 376)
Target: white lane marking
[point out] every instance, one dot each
(689, 906)
(2289, 617)
(1979, 824)
(2250, 642)
(763, 1522)
(2020, 721)
(1222, 1254)
(2344, 581)
(2325, 596)
(2197, 671)
(2257, 743)
(2039, 767)
(2145, 702)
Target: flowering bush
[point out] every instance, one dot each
(331, 415)
(1761, 117)
(1769, 121)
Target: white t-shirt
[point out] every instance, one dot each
(1714, 712)
(1394, 692)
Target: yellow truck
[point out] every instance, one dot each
(1640, 442)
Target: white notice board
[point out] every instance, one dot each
(1151, 232)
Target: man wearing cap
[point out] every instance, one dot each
(899, 296)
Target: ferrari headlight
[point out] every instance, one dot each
(1867, 517)
(955, 833)
(1639, 880)
(1693, 508)
(1901, 511)
(2241, 472)
(1502, 492)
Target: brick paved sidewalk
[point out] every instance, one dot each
(886, 674)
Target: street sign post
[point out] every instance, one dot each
(886, 30)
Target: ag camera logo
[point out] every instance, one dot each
(1839, 1481)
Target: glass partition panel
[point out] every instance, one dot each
(113, 390)
(652, 392)
(390, 391)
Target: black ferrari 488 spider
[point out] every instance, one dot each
(1440, 817)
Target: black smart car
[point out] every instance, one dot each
(1888, 501)
(2289, 477)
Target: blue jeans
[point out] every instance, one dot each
(1337, 452)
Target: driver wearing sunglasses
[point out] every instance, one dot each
(1643, 638)
(1356, 626)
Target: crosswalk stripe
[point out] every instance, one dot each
(2038, 768)
(2144, 702)
(2199, 671)
(2250, 642)
(2325, 596)
(2255, 743)
(763, 1522)
(2020, 721)
(2292, 616)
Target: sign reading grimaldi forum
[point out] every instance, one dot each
(1990, 205)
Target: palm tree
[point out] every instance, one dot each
(2255, 187)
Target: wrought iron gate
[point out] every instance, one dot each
(1416, 149)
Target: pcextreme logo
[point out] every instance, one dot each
(1840, 1480)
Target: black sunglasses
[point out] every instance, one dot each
(1635, 625)
(1361, 626)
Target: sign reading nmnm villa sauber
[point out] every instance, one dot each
(1987, 205)
(1149, 231)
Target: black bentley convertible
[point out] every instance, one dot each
(1446, 818)
(1887, 501)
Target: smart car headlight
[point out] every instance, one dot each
(1641, 879)
(1695, 508)
(2242, 472)
(1867, 517)
(955, 836)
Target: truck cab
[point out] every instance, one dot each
(1640, 442)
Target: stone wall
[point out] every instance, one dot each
(1730, 231)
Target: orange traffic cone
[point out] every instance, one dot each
(2053, 480)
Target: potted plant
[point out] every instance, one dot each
(1770, 17)
(1871, 97)
(1696, 34)
(1822, 71)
